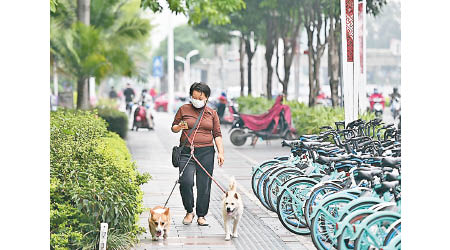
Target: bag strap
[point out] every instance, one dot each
(195, 125)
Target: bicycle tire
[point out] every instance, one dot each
(285, 204)
(327, 230)
(361, 241)
(316, 194)
(271, 194)
(258, 172)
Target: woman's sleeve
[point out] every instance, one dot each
(216, 126)
(177, 118)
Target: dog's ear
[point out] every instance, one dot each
(167, 211)
(151, 213)
(235, 196)
(226, 194)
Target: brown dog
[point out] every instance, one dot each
(159, 222)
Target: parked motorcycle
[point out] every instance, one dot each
(274, 124)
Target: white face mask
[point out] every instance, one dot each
(197, 103)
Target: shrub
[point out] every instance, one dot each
(305, 119)
(254, 105)
(117, 120)
(92, 180)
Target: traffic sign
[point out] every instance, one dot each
(158, 66)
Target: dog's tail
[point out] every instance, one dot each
(232, 184)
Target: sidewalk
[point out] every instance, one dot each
(259, 229)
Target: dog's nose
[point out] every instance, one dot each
(228, 209)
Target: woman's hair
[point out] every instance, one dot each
(200, 87)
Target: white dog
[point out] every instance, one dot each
(232, 209)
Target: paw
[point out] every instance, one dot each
(235, 235)
(227, 237)
(154, 238)
(165, 236)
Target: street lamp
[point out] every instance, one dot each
(187, 66)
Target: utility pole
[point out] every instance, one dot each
(351, 58)
(170, 65)
(187, 67)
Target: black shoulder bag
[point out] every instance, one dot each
(176, 150)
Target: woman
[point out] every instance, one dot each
(208, 130)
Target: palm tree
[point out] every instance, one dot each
(104, 48)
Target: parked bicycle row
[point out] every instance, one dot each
(341, 186)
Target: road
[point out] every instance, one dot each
(260, 229)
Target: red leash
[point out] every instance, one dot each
(195, 158)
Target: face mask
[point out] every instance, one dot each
(197, 103)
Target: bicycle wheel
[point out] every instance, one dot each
(395, 243)
(259, 171)
(289, 204)
(317, 193)
(358, 204)
(394, 230)
(344, 240)
(323, 224)
(373, 234)
(273, 189)
(259, 189)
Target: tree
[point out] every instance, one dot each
(284, 25)
(215, 11)
(333, 11)
(248, 22)
(100, 49)
(185, 39)
(315, 21)
(270, 38)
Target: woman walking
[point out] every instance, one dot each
(208, 131)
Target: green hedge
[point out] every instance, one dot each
(92, 180)
(117, 120)
(306, 120)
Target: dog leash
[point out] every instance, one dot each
(197, 161)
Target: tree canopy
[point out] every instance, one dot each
(215, 11)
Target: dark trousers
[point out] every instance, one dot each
(205, 155)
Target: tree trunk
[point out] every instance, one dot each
(250, 53)
(312, 97)
(83, 11)
(270, 45)
(82, 93)
(333, 61)
(297, 73)
(317, 74)
(83, 14)
(241, 63)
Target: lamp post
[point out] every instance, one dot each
(187, 66)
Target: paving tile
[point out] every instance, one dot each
(259, 228)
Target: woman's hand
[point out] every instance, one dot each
(183, 125)
(220, 159)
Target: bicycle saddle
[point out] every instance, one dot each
(390, 161)
(325, 160)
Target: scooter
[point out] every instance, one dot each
(141, 119)
(240, 133)
(395, 107)
(377, 105)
